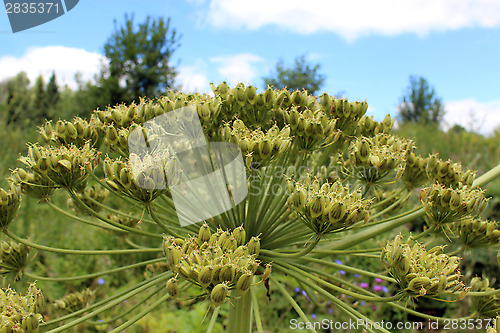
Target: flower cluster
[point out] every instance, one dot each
(75, 301)
(117, 138)
(125, 221)
(21, 313)
(473, 233)
(347, 113)
(13, 258)
(78, 133)
(33, 184)
(9, 205)
(124, 116)
(67, 167)
(259, 148)
(448, 173)
(328, 207)
(89, 197)
(447, 204)
(369, 127)
(372, 159)
(244, 101)
(415, 172)
(144, 187)
(384, 199)
(309, 128)
(217, 262)
(420, 272)
(487, 306)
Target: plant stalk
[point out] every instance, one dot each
(240, 314)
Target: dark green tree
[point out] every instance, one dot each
(139, 60)
(420, 103)
(16, 98)
(39, 102)
(301, 76)
(53, 95)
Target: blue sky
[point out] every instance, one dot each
(367, 49)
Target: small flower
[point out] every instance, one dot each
(363, 303)
(378, 280)
(101, 281)
(297, 290)
(342, 272)
(357, 275)
(314, 316)
(385, 289)
(364, 285)
(377, 287)
(338, 262)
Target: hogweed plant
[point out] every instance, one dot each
(242, 190)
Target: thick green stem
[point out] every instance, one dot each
(299, 254)
(371, 232)
(240, 313)
(380, 229)
(487, 177)
(161, 223)
(80, 252)
(93, 275)
(211, 325)
(102, 309)
(256, 311)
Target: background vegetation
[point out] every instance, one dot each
(140, 66)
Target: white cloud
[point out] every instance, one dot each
(238, 67)
(473, 115)
(64, 61)
(194, 78)
(355, 18)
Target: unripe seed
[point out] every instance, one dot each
(254, 246)
(204, 234)
(227, 273)
(244, 282)
(240, 235)
(205, 276)
(219, 294)
(172, 287)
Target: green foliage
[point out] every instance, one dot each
(52, 98)
(16, 98)
(420, 103)
(139, 60)
(177, 320)
(301, 76)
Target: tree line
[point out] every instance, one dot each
(140, 66)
